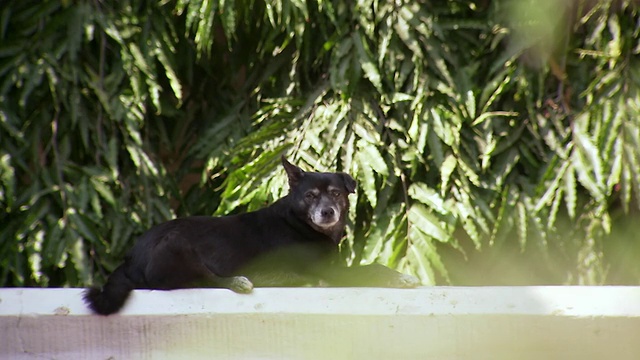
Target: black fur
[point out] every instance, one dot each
(112, 296)
(289, 243)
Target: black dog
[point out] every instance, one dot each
(292, 242)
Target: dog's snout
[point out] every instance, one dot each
(325, 216)
(327, 212)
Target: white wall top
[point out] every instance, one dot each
(554, 322)
(525, 300)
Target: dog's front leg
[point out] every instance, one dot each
(374, 275)
(282, 278)
(239, 284)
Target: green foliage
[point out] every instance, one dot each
(471, 129)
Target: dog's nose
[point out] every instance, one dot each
(327, 212)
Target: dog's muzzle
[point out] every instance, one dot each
(325, 217)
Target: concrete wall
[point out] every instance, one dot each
(328, 323)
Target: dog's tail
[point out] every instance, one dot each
(111, 297)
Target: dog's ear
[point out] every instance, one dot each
(294, 173)
(349, 183)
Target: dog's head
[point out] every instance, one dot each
(321, 199)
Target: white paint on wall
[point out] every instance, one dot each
(328, 323)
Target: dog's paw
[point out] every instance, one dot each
(406, 281)
(241, 284)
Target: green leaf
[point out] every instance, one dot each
(371, 157)
(425, 258)
(369, 68)
(553, 188)
(429, 197)
(588, 166)
(174, 80)
(522, 224)
(83, 225)
(228, 16)
(367, 180)
(80, 261)
(425, 221)
(381, 234)
(7, 183)
(104, 191)
(570, 190)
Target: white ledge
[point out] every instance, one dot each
(328, 323)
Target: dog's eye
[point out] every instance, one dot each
(335, 193)
(310, 195)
